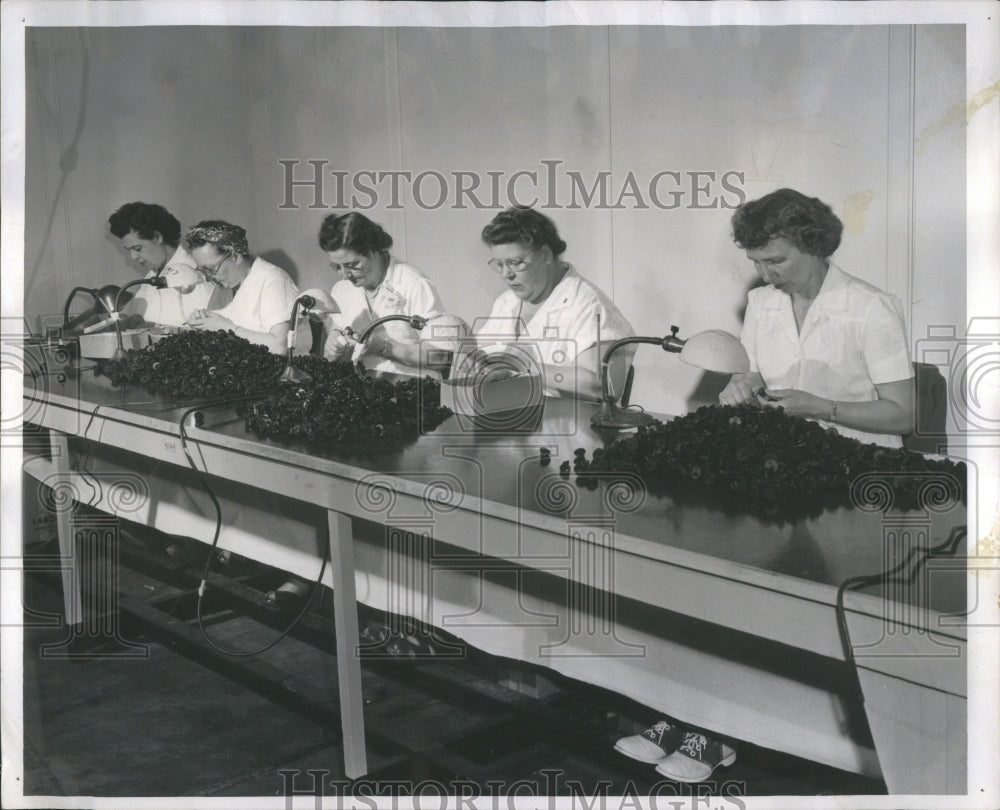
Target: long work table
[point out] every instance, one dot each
(723, 620)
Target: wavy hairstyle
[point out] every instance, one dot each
(524, 226)
(147, 220)
(353, 231)
(806, 222)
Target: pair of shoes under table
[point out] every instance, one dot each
(681, 755)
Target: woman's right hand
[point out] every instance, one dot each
(740, 389)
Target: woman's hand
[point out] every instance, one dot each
(740, 389)
(798, 403)
(208, 320)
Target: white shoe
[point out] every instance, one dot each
(654, 744)
(696, 759)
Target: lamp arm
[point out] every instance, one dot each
(416, 321)
(627, 340)
(72, 294)
(155, 281)
(670, 343)
(292, 326)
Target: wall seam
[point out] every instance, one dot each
(901, 124)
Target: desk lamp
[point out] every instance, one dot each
(182, 279)
(312, 302)
(712, 350)
(447, 332)
(104, 298)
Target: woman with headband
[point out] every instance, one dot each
(261, 307)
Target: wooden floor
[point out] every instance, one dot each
(165, 715)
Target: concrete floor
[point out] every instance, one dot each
(165, 725)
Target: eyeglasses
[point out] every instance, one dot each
(517, 265)
(211, 272)
(346, 267)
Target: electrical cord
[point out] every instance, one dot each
(215, 542)
(947, 548)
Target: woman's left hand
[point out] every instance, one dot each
(211, 321)
(797, 403)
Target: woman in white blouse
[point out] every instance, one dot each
(262, 305)
(822, 344)
(374, 283)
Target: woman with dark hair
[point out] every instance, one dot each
(822, 344)
(151, 235)
(374, 284)
(261, 308)
(548, 303)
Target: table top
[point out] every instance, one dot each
(499, 473)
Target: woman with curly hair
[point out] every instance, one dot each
(549, 304)
(151, 235)
(375, 283)
(823, 344)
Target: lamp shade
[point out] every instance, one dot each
(181, 278)
(716, 350)
(107, 294)
(315, 300)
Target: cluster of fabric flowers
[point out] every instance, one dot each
(339, 409)
(745, 458)
(335, 408)
(196, 365)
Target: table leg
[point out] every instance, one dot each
(67, 542)
(345, 617)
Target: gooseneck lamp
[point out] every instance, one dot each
(104, 299)
(156, 281)
(415, 321)
(712, 350)
(448, 332)
(312, 302)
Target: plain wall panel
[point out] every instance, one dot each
(939, 249)
(779, 105)
(315, 95)
(119, 115)
(503, 100)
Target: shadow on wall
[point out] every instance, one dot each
(711, 383)
(931, 434)
(284, 261)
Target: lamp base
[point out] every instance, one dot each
(293, 375)
(611, 416)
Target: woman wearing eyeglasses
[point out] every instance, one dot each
(551, 305)
(262, 304)
(373, 283)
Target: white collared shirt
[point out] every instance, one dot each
(264, 299)
(563, 327)
(168, 306)
(404, 290)
(851, 340)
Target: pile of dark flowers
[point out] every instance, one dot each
(745, 458)
(337, 408)
(334, 408)
(195, 365)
